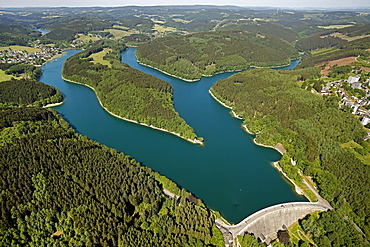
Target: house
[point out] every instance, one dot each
(365, 120)
(351, 104)
(357, 85)
(353, 79)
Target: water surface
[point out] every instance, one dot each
(229, 173)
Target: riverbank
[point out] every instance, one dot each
(195, 141)
(53, 104)
(220, 72)
(278, 148)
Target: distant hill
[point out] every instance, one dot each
(207, 53)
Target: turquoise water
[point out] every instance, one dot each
(229, 173)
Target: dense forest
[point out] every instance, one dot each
(127, 92)
(13, 34)
(207, 53)
(311, 129)
(60, 188)
(28, 92)
(56, 186)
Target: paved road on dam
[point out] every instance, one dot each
(265, 224)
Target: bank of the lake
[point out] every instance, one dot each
(220, 72)
(229, 173)
(195, 141)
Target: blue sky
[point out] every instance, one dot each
(272, 3)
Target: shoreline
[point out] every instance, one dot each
(53, 104)
(219, 72)
(297, 189)
(195, 141)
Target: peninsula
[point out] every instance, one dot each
(126, 92)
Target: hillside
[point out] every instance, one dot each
(60, 188)
(312, 130)
(207, 53)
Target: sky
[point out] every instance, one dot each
(106, 3)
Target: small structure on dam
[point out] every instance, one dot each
(266, 223)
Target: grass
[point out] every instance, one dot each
(118, 34)
(322, 51)
(296, 234)
(180, 20)
(334, 26)
(20, 48)
(120, 27)
(98, 57)
(351, 146)
(5, 77)
(85, 38)
(162, 29)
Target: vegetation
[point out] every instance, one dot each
(63, 189)
(25, 70)
(312, 130)
(194, 55)
(125, 91)
(13, 34)
(28, 92)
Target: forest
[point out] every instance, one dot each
(127, 92)
(59, 188)
(207, 53)
(28, 92)
(311, 129)
(46, 162)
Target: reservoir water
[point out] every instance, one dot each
(229, 173)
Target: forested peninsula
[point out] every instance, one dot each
(126, 92)
(206, 53)
(312, 130)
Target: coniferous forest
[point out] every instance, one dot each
(207, 53)
(28, 92)
(127, 92)
(59, 188)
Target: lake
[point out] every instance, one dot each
(229, 172)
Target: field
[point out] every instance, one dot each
(98, 57)
(20, 48)
(334, 26)
(86, 38)
(5, 77)
(163, 29)
(345, 37)
(339, 62)
(118, 34)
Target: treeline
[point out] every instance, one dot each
(27, 70)
(66, 29)
(311, 129)
(14, 34)
(28, 92)
(316, 41)
(125, 91)
(261, 27)
(59, 188)
(207, 53)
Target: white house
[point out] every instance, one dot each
(365, 120)
(354, 78)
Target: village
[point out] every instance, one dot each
(37, 56)
(358, 102)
